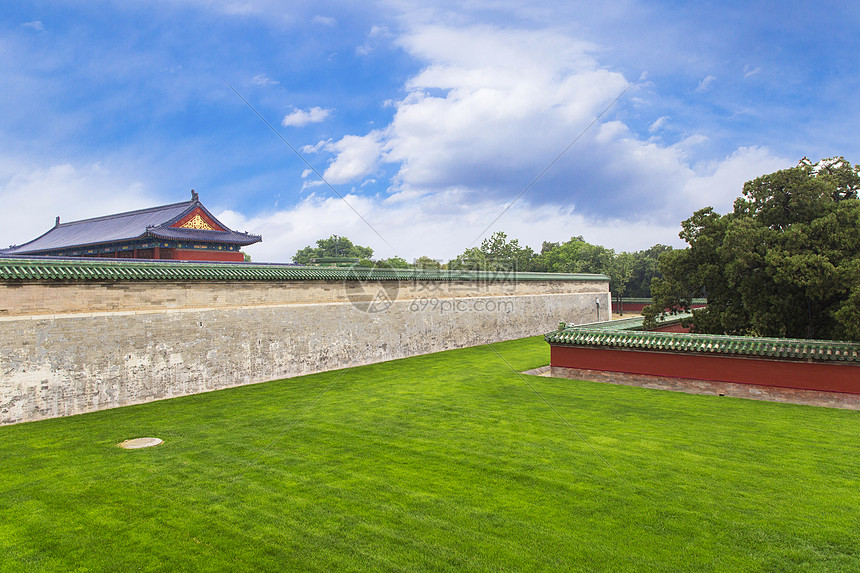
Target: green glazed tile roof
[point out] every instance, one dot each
(648, 300)
(622, 334)
(619, 324)
(70, 269)
(632, 323)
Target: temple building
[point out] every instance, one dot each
(181, 231)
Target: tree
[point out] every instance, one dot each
(620, 272)
(645, 269)
(334, 246)
(425, 262)
(573, 256)
(393, 263)
(785, 262)
(496, 253)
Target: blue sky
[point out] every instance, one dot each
(429, 118)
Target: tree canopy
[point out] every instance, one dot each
(784, 263)
(644, 270)
(334, 246)
(425, 262)
(627, 271)
(630, 273)
(496, 253)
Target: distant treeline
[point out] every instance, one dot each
(630, 272)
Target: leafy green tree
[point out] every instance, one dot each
(644, 271)
(496, 253)
(579, 256)
(470, 260)
(785, 262)
(425, 262)
(620, 273)
(334, 246)
(561, 257)
(393, 263)
(594, 259)
(576, 256)
(539, 262)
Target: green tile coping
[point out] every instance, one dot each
(20, 269)
(648, 300)
(623, 334)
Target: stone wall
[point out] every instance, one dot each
(79, 346)
(29, 298)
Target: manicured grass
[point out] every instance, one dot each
(451, 461)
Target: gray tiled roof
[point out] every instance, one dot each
(227, 237)
(128, 226)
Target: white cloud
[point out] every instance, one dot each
(73, 193)
(324, 20)
(490, 109)
(320, 145)
(263, 80)
(302, 117)
(705, 84)
(35, 25)
(493, 108)
(658, 124)
(491, 102)
(446, 223)
(750, 72)
(719, 183)
(441, 226)
(373, 37)
(356, 157)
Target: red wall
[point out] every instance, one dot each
(629, 306)
(183, 255)
(674, 327)
(638, 306)
(827, 377)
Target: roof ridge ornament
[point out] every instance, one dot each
(194, 196)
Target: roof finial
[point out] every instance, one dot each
(57, 223)
(194, 196)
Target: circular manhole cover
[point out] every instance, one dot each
(138, 443)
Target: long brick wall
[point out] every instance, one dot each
(71, 345)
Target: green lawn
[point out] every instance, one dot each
(450, 461)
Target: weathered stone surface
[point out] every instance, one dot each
(65, 358)
(139, 443)
(53, 297)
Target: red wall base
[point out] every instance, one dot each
(826, 377)
(748, 391)
(636, 307)
(676, 327)
(183, 255)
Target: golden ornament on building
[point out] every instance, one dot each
(197, 222)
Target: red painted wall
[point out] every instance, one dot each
(630, 306)
(183, 255)
(676, 327)
(636, 307)
(824, 376)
